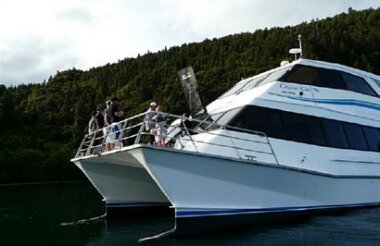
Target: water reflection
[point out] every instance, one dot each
(73, 214)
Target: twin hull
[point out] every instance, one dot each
(217, 189)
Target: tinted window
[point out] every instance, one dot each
(296, 129)
(355, 136)
(330, 79)
(303, 128)
(260, 121)
(253, 118)
(357, 84)
(301, 74)
(373, 138)
(335, 136)
(315, 128)
(275, 124)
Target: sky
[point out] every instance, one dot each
(40, 37)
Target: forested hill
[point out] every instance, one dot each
(42, 124)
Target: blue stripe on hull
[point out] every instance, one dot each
(195, 213)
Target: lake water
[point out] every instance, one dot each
(58, 214)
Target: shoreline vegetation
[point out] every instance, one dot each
(43, 124)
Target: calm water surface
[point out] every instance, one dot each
(57, 214)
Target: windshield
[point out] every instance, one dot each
(255, 81)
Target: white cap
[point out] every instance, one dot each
(153, 104)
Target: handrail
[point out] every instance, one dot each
(94, 143)
(233, 143)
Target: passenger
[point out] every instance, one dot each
(116, 128)
(100, 117)
(107, 125)
(117, 115)
(159, 119)
(149, 123)
(107, 114)
(93, 124)
(99, 134)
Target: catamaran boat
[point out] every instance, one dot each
(302, 137)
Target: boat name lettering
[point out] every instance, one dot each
(292, 87)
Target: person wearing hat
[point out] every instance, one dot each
(149, 123)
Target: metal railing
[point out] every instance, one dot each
(132, 131)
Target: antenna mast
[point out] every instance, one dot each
(300, 44)
(297, 51)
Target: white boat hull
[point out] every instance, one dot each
(123, 182)
(219, 190)
(205, 186)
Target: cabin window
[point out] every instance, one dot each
(252, 118)
(302, 128)
(315, 127)
(259, 122)
(328, 78)
(296, 129)
(302, 75)
(275, 124)
(334, 134)
(357, 84)
(355, 136)
(373, 138)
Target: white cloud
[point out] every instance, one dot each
(39, 37)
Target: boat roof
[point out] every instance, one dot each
(372, 79)
(336, 66)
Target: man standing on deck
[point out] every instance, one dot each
(149, 123)
(116, 127)
(112, 116)
(116, 114)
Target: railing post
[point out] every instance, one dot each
(80, 146)
(91, 143)
(138, 137)
(233, 143)
(271, 149)
(191, 139)
(122, 133)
